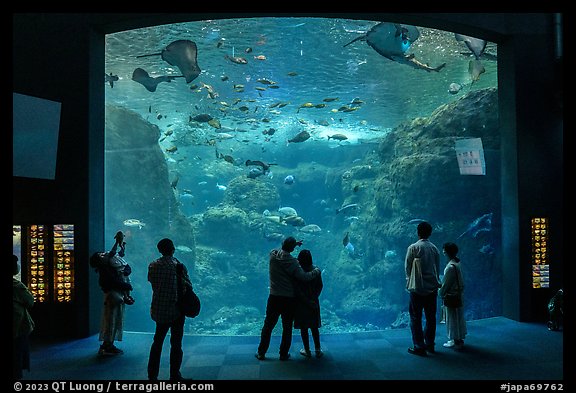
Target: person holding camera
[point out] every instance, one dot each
(115, 283)
(283, 270)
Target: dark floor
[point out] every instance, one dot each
(496, 349)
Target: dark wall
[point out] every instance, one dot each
(61, 57)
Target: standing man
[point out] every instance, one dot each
(164, 311)
(283, 269)
(425, 298)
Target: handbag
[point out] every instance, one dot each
(188, 301)
(415, 280)
(454, 301)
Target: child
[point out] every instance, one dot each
(117, 262)
(307, 314)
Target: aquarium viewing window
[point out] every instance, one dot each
(229, 135)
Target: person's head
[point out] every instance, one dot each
(166, 247)
(424, 230)
(15, 266)
(290, 243)
(450, 249)
(305, 259)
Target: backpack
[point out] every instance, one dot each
(99, 259)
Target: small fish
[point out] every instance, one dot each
(416, 221)
(289, 180)
(202, 118)
(300, 137)
(310, 228)
(265, 81)
(346, 239)
(338, 137)
(346, 207)
(254, 173)
(350, 247)
(454, 88)
(221, 187)
(183, 248)
(288, 211)
(134, 222)
(264, 165)
(236, 59)
(260, 57)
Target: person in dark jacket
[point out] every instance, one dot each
(283, 269)
(113, 279)
(307, 315)
(22, 323)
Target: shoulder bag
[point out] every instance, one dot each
(415, 281)
(188, 301)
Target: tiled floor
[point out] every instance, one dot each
(496, 349)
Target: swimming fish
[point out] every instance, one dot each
(150, 83)
(265, 166)
(300, 137)
(182, 54)
(475, 45)
(236, 59)
(221, 187)
(346, 239)
(481, 224)
(310, 228)
(289, 180)
(338, 137)
(254, 173)
(392, 40)
(454, 88)
(134, 222)
(346, 207)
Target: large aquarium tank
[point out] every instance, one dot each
(229, 135)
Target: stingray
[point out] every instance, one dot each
(392, 40)
(141, 76)
(182, 54)
(475, 45)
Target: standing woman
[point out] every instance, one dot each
(453, 285)
(22, 323)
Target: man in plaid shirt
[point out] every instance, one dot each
(164, 311)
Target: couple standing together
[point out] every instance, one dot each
(424, 300)
(295, 285)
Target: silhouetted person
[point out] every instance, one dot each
(307, 315)
(425, 299)
(165, 312)
(453, 284)
(22, 323)
(115, 283)
(283, 269)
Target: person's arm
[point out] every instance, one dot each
(448, 281)
(408, 260)
(299, 274)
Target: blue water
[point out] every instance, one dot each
(308, 63)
